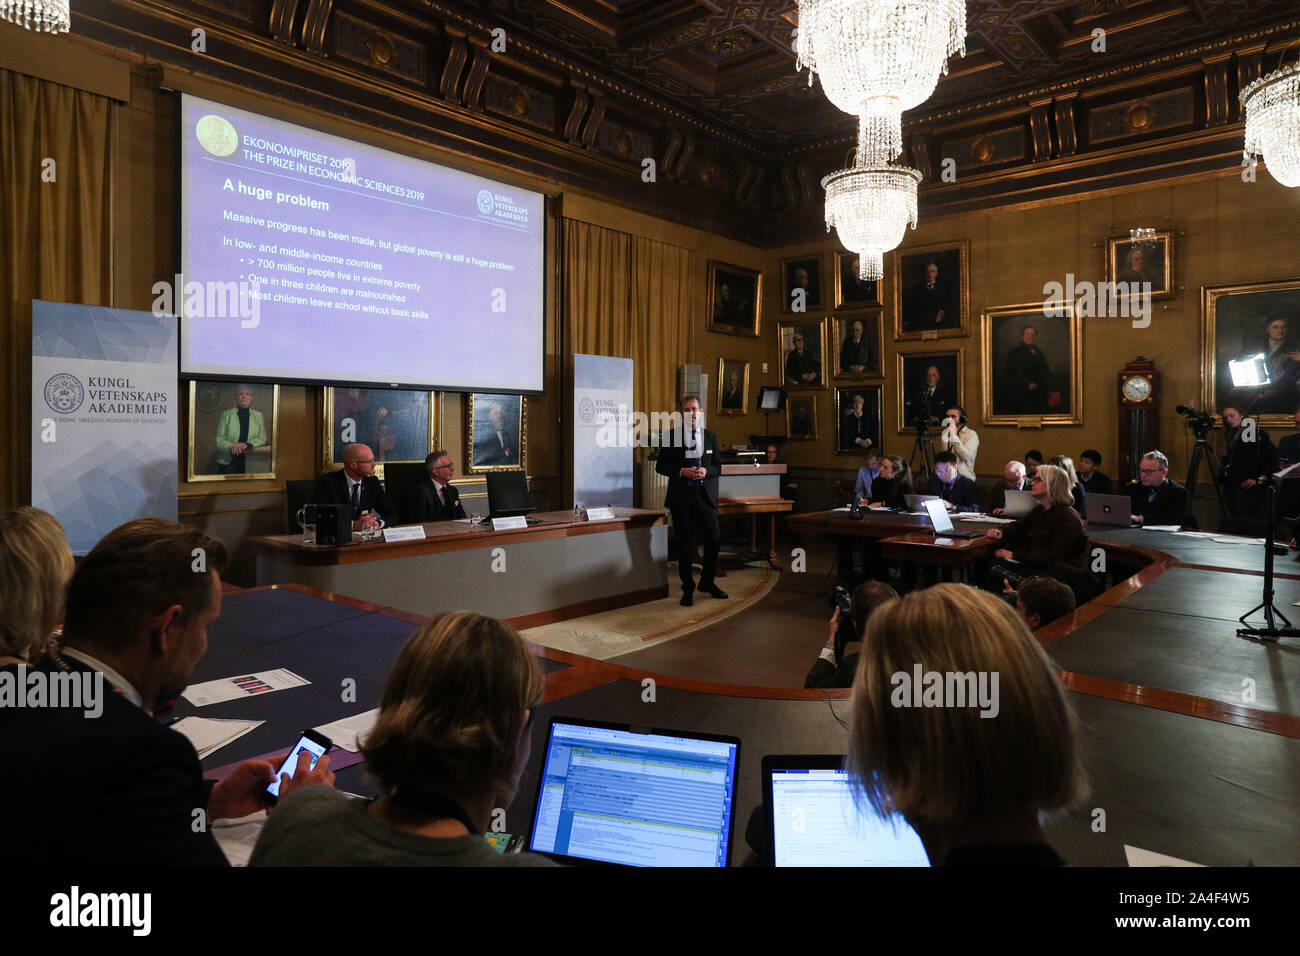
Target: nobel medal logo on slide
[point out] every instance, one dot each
(216, 135)
(64, 393)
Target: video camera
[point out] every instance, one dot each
(844, 633)
(1198, 421)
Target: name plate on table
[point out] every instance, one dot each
(505, 524)
(595, 514)
(410, 532)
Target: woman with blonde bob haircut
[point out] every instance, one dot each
(1051, 537)
(447, 749)
(35, 567)
(972, 786)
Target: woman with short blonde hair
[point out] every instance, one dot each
(1050, 537)
(1058, 483)
(35, 567)
(971, 785)
(447, 751)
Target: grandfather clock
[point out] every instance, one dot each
(1139, 415)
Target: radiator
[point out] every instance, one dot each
(653, 487)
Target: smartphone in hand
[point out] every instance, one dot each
(315, 744)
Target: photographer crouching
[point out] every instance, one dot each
(848, 623)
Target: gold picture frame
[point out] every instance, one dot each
(852, 292)
(792, 371)
(1239, 320)
(742, 309)
(208, 421)
(873, 397)
(484, 451)
(873, 333)
(1120, 247)
(911, 379)
(1003, 346)
(395, 436)
(913, 302)
(729, 402)
(815, 291)
(801, 417)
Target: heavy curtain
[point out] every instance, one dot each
(54, 235)
(629, 296)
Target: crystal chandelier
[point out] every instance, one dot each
(871, 205)
(48, 16)
(1272, 108)
(877, 58)
(1143, 237)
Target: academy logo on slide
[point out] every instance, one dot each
(485, 201)
(216, 135)
(64, 393)
(586, 411)
(499, 207)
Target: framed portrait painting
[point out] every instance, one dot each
(733, 387)
(801, 417)
(496, 432)
(857, 419)
(857, 345)
(932, 292)
(801, 284)
(1033, 365)
(929, 383)
(850, 291)
(735, 299)
(232, 431)
(801, 353)
(1134, 263)
(398, 425)
(1256, 326)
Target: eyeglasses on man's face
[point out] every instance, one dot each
(1150, 471)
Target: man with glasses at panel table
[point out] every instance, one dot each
(433, 498)
(355, 485)
(1157, 500)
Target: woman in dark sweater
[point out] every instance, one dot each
(972, 789)
(894, 483)
(1052, 533)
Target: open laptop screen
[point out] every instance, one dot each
(815, 821)
(938, 513)
(616, 795)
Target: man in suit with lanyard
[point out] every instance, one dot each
(433, 498)
(356, 485)
(692, 467)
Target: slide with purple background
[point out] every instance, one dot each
(366, 266)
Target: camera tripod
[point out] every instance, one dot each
(924, 446)
(1203, 452)
(1270, 631)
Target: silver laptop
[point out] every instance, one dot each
(917, 502)
(942, 523)
(1109, 510)
(1019, 503)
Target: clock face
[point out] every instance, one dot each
(1137, 389)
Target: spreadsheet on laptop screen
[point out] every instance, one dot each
(815, 822)
(639, 799)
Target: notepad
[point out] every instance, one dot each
(345, 731)
(209, 734)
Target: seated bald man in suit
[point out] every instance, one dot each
(356, 485)
(433, 498)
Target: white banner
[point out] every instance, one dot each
(104, 417)
(602, 394)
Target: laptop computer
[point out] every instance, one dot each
(914, 502)
(938, 513)
(619, 794)
(1110, 510)
(1019, 503)
(813, 820)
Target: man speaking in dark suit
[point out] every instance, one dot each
(356, 485)
(433, 498)
(692, 467)
(111, 785)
